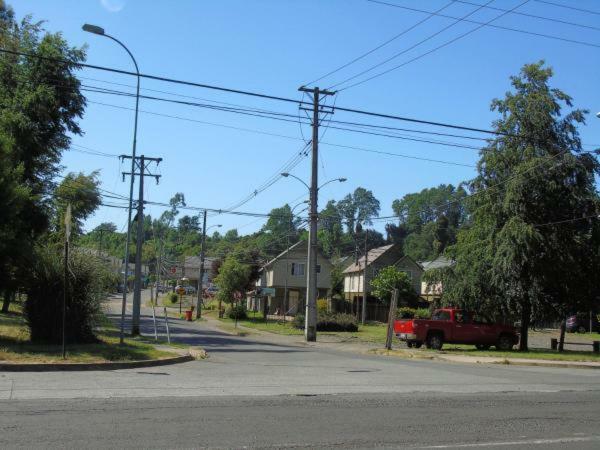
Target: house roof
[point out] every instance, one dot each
(372, 256)
(293, 247)
(438, 263)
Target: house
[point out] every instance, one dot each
(433, 291)
(377, 259)
(289, 269)
(191, 270)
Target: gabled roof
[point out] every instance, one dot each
(372, 256)
(438, 263)
(293, 247)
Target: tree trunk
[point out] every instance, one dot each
(561, 342)
(525, 318)
(8, 296)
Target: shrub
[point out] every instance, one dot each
(423, 313)
(45, 291)
(337, 322)
(321, 305)
(237, 312)
(406, 313)
(298, 321)
(329, 322)
(172, 297)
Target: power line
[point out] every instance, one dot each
(534, 16)
(422, 41)
(383, 44)
(253, 94)
(381, 152)
(500, 27)
(558, 222)
(445, 44)
(569, 7)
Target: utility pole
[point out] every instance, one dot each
(364, 302)
(310, 328)
(201, 274)
(141, 163)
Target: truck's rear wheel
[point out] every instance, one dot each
(505, 343)
(435, 341)
(409, 344)
(418, 344)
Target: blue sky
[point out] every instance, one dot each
(274, 46)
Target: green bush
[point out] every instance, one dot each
(45, 291)
(321, 305)
(172, 297)
(406, 313)
(423, 313)
(329, 322)
(237, 312)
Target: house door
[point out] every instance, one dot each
(292, 307)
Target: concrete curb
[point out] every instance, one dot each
(497, 361)
(117, 365)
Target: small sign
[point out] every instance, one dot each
(173, 269)
(267, 291)
(181, 291)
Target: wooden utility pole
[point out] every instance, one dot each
(364, 302)
(66, 281)
(141, 163)
(201, 274)
(391, 319)
(310, 328)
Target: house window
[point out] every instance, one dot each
(318, 268)
(298, 269)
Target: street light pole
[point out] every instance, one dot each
(310, 327)
(201, 271)
(100, 31)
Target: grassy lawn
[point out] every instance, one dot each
(15, 345)
(257, 322)
(534, 353)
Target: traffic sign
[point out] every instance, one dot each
(173, 269)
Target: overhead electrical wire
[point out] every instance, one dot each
(439, 47)
(408, 49)
(560, 5)
(534, 16)
(249, 93)
(383, 44)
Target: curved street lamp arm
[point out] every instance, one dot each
(126, 49)
(299, 179)
(341, 180)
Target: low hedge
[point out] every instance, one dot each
(237, 312)
(330, 322)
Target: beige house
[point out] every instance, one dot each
(433, 291)
(378, 258)
(289, 269)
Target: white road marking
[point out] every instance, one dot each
(564, 440)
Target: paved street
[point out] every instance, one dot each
(274, 391)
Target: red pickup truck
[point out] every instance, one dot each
(455, 326)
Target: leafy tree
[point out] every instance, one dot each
(358, 208)
(531, 247)
(390, 278)
(177, 201)
(189, 224)
(233, 277)
(41, 103)
(81, 191)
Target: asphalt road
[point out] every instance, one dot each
(269, 391)
(551, 420)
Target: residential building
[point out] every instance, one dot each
(433, 291)
(377, 259)
(289, 268)
(191, 271)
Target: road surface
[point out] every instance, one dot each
(276, 392)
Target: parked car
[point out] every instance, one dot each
(580, 323)
(161, 288)
(189, 290)
(120, 289)
(456, 326)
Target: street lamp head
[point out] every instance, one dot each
(342, 180)
(93, 29)
(285, 174)
(598, 115)
(219, 226)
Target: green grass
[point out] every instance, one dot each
(257, 322)
(535, 353)
(15, 345)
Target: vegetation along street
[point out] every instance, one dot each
(343, 224)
